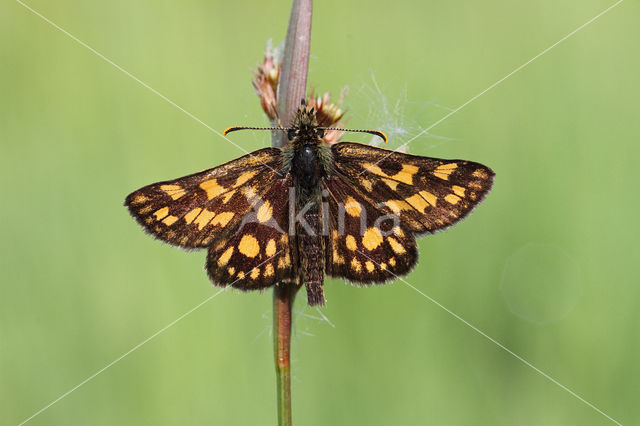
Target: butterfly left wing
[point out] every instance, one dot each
(257, 254)
(239, 210)
(195, 211)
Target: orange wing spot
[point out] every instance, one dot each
(231, 270)
(169, 220)
(351, 243)
(406, 174)
(398, 232)
(204, 218)
(418, 202)
(431, 199)
(397, 206)
(174, 191)
(227, 196)
(192, 215)
(368, 185)
(224, 257)
(391, 183)
(212, 188)
(356, 265)
(284, 261)
(375, 169)
(268, 270)
(443, 171)
(337, 258)
(383, 266)
(392, 261)
(249, 193)
(255, 273)
(240, 275)
(249, 246)
(396, 246)
(479, 173)
(265, 212)
(243, 178)
(370, 266)
(452, 199)
(222, 219)
(139, 199)
(372, 238)
(270, 250)
(160, 213)
(458, 190)
(145, 210)
(353, 207)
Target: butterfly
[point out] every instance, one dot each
(309, 209)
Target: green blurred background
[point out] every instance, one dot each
(548, 265)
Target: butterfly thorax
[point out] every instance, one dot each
(307, 156)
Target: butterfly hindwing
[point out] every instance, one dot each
(257, 254)
(428, 194)
(196, 210)
(366, 243)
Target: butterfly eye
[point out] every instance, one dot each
(292, 133)
(320, 132)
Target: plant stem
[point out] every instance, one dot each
(283, 295)
(292, 87)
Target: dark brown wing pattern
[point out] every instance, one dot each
(388, 197)
(196, 210)
(428, 194)
(239, 210)
(257, 254)
(366, 241)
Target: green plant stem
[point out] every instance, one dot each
(283, 296)
(292, 87)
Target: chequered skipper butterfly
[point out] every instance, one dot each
(296, 213)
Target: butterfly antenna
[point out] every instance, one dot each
(377, 133)
(235, 128)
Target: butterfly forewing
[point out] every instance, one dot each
(427, 194)
(200, 209)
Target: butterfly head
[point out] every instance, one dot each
(305, 125)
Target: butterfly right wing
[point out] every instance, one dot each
(367, 243)
(428, 194)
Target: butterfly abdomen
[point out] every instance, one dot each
(307, 170)
(311, 249)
